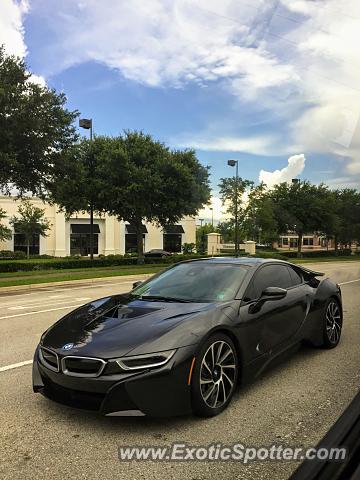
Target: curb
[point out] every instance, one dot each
(88, 281)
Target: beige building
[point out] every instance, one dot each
(72, 236)
(309, 242)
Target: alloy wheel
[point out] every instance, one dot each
(217, 374)
(333, 322)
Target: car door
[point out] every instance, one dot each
(275, 323)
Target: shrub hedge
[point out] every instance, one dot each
(319, 253)
(78, 263)
(44, 263)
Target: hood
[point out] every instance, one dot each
(114, 326)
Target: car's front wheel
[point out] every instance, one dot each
(215, 376)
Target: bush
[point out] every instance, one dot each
(80, 263)
(10, 255)
(188, 248)
(276, 256)
(318, 253)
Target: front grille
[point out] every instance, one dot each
(49, 359)
(82, 366)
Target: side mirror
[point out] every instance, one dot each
(270, 293)
(136, 284)
(273, 293)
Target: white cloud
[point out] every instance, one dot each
(218, 213)
(163, 42)
(295, 167)
(12, 13)
(296, 60)
(11, 26)
(259, 145)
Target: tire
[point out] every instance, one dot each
(332, 324)
(213, 383)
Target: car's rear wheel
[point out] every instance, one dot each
(215, 376)
(332, 324)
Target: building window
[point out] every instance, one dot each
(308, 241)
(20, 244)
(172, 238)
(285, 241)
(131, 238)
(131, 242)
(293, 242)
(80, 239)
(172, 242)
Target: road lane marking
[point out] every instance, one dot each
(34, 305)
(40, 311)
(15, 365)
(350, 281)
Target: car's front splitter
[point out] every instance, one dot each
(160, 392)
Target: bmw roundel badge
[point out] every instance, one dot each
(67, 346)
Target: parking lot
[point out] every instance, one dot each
(293, 404)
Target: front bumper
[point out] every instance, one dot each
(159, 392)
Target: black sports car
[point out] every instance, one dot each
(182, 340)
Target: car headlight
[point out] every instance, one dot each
(150, 360)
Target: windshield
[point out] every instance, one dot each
(195, 282)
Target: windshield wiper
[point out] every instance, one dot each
(161, 298)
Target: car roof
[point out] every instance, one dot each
(233, 260)
(252, 262)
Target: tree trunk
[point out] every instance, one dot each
(28, 249)
(140, 243)
(300, 239)
(336, 244)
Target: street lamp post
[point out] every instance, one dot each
(88, 125)
(212, 217)
(202, 235)
(233, 163)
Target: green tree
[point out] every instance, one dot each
(231, 190)
(35, 128)
(346, 225)
(31, 221)
(188, 248)
(232, 196)
(259, 221)
(5, 232)
(132, 177)
(302, 208)
(201, 237)
(226, 230)
(149, 182)
(80, 178)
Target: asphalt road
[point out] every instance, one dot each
(294, 404)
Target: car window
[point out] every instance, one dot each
(196, 281)
(296, 277)
(271, 276)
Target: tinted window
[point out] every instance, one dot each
(271, 276)
(195, 281)
(295, 276)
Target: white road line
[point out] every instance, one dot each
(350, 281)
(40, 311)
(48, 304)
(15, 365)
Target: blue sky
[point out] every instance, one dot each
(272, 83)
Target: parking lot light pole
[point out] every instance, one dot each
(88, 125)
(233, 163)
(212, 216)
